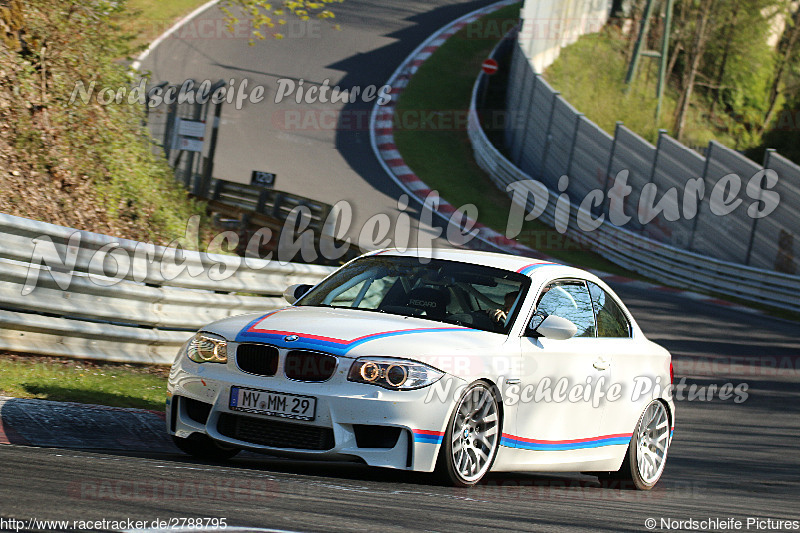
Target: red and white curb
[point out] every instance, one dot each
(382, 134)
(384, 147)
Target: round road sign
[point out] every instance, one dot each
(489, 66)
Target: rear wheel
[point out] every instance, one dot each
(647, 452)
(472, 437)
(203, 447)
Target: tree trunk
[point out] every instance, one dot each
(676, 50)
(678, 46)
(700, 40)
(638, 9)
(725, 54)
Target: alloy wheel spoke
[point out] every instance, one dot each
(653, 437)
(458, 445)
(475, 430)
(480, 456)
(489, 419)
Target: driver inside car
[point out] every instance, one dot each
(499, 316)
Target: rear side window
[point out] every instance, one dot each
(611, 321)
(570, 300)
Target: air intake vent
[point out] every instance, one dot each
(257, 359)
(196, 410)
(309, 366)
(275, 434)
(376, 436)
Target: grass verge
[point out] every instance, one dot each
(151, 18)
(70, 380)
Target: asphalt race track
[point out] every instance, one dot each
(728, 460)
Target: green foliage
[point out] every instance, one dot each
(591, 76)
(738, 66)
(72, 41)
(11, 21)
(784, 132)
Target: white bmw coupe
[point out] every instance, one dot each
(451, 361)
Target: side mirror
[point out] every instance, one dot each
(293, 293)
(554, 327)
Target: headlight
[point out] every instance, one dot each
(396, 374)
(207, 348)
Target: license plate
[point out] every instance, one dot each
(272, 403)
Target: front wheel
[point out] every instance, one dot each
(647, 452)
(472, 437)
(203, 447)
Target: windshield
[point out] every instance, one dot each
(444, 291)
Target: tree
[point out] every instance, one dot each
(703, 29)
(786, 55)
(264, 15)
(738, 67)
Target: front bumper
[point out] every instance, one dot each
(345, 413)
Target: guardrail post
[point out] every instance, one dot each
(518, 155)
(690, 246)
(276, 206)
(197, 115)
(208, 168)
(217, 189)
(661, 133)
(767, 156)
(556, 94)
(261, 205)
(608, 168)
(574, 142)
(171, 131)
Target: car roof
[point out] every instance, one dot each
(524, 265)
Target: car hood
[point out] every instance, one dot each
(355, 333)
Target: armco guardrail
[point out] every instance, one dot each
(640, 254)
(278, 205)
(81, 294)
(256, 209)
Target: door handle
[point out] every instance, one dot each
(600, 363)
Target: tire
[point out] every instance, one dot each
(647, 452)
(472, 437)
(203, 447)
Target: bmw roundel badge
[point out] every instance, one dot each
(291, 338)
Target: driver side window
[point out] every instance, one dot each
(570, 300)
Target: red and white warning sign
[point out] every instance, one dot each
(489, 66)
